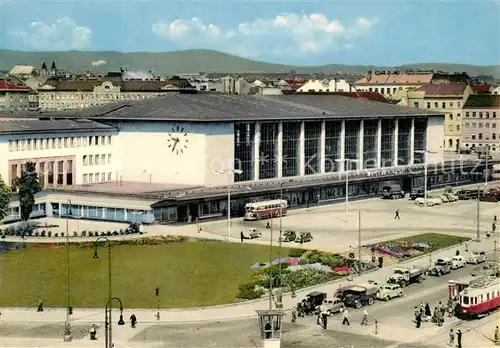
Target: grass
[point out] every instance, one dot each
(189, 274)
(436, 241)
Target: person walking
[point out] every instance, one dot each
(459, 339)
(396, 215)
(324, 318)
(364, 321)
(40, 305)
(242, 236)
(93, 333)
(451, 342)
(496, 334)
(418, 320)
(133, 321)
(345, 317)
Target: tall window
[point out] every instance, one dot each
(268, 148)
(244, 139)
(41, 173)
(312, 146)
(370, 139)
(291, 148)
(420, 139)
(60, 172)
(50, 176)
(351, 148)
(69, 172)
(404, 139)
(333, 131)
(387, 143)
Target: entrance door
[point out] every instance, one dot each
(193, 211)
(182, 213)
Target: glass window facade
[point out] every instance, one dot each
(291, 148)
(268, 150)
(333, 130)
(404, 139)
(312, 147)
(244, 139)
(420, 136)
(387, 143)
(351, 146)
(370, 139)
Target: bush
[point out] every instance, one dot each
(121, 231)
(43, 233)
(56, 235)
(249, 291)
(295, 252)
(108, 233)
(62, 234)
(102, 234)
(134, 227)
(75, 234)
(37, 234)
(30, 233)
(325, 258)
(115, 233)
(49, 234)
(84, 233)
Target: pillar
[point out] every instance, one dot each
(412, 141)
(379, 143)
(65, 172)
(342, 147)
(322, 147)
(396, 140)
(302, 150)
(361, 142)
(256, 152)
(46, 173)
(279, 156)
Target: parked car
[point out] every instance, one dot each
(393, 191)
(404, 276)
(476, 257)
(444, 198)
(457, 262)
(316, 298)
(288, 236)
(441, 266)
(332, 305)
(252, 233)
(417, 193)
(389, 291)
(358, 296)
(304, 237)
(451, 197)
(340, 292)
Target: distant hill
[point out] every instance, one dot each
(194, 61)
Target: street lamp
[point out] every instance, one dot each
(68, 336)
(228, 172)
(346, 161)
(108, 322)
(279, 303)
(425, 153)
(96, 256)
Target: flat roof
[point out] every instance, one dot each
(24, 126)
(213, 107)
(127, 188)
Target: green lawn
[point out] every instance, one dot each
(436, 241)
(188, 274)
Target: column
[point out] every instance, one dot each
(65, 172)
(322, 147)
(379, 143)
(412, 141)
(396, 140)
(342, 147)
(45, 174)
(302, 150)
(280, 150)
(256, 152)
(361, 142)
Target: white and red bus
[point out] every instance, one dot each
(265, 209)
(479, 299)
(495, 172)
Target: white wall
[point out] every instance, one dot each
(435, 136)
(145, 153)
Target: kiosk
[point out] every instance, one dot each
(270, 325)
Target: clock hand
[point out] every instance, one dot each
(175, 144)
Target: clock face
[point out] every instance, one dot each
(177, 140)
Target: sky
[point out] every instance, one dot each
(390, 33)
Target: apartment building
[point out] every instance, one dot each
(481, 124)
(16, 97)
(326, 85)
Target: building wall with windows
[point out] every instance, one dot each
(61, 158)
(481, 126)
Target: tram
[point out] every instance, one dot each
(479, 299)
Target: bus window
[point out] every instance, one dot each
(465, 300)
(488, 296)
(474, 299)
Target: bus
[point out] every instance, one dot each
(265, 209)
(495, 172)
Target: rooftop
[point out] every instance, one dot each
(8, 86)
(12, 127)
(443, 89)
(395, 79)
(208, 107)
(487, 101)
(128, 188)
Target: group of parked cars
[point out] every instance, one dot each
(359, 295)
(292, 236)
(418, 195)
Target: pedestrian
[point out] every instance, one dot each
(294, 315)
(319, 319)
(441, 308)
(459, 339)
(345, 317)
(496, 334)
(40, 305)
(242, 236)
(466, 247)
(133, 321)
(396, 215)
(457, 253)
(292, 288)
(427, 310)
(325, 320)
(364, 321)
(418, 320)
(452, 338)
(93, 333)
(416, 312)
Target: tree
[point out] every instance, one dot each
(29, 186)
(5, 194)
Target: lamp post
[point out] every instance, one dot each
(228, 172)
(359, 241)
(487, 169)
(346, 161)
(108, 330)
(68, 337)
(425, 153)
(279, 303)
(108, 322)
(270, 267)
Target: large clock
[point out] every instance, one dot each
(177, 140)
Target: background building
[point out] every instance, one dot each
(16, 97)
(481, 124)
(326, 85)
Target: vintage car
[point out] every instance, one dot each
(316, 298)
(441, 266)
(389, 291)
(304, 237)
(331, 305)
(457, 262)
(251, 233)
(358, 295)
(476, 257)
(288, 236)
